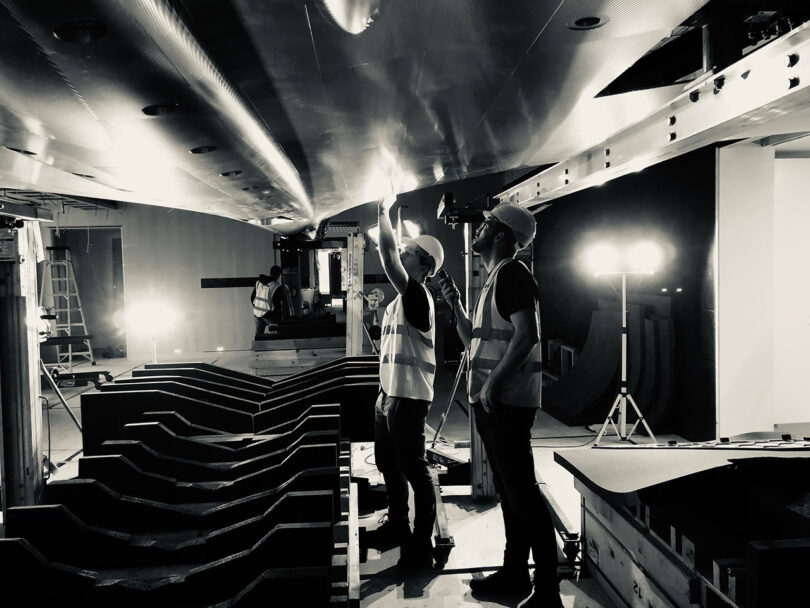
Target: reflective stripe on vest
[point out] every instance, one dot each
(491, 334)
(263, 301)
(407, 356)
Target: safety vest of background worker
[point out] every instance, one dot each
(490, 337)
(263, 301)
(407, 355)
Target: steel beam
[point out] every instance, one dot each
(766, 85)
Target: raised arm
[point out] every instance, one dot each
(389, 252)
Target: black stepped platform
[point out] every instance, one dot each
(119, 473)
(200, 374)
(227, 448)
(215, 369)
(192, 584)
(208, 385)
(142, 455)
(105, 414)
(93, 547)
(176, 386)
(180, 502)
(96, 504)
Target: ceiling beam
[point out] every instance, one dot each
(767, 84)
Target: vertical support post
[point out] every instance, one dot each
(20, 408)
(354, 301)
(480, 471)
(623, 405)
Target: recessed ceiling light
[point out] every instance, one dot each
(84, 175)
(203, 149)
(587, 23)
(80, 31)
(233, 173)
(159, 109)
(21, 151)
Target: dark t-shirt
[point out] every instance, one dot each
(416, 305)
(516, 289)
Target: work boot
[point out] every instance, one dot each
(416, 555)
(390, 534)
(542, 599)
(505, 581)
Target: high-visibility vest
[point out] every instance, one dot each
(263, 301)
(407, 355)
(491, 334)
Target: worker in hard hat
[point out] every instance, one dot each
(503, 386)
(407, 367)
(268, 300)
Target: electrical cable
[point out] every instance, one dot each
(48, 417)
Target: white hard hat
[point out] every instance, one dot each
(433, 248)
(518, 218)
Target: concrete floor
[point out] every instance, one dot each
(477, 528)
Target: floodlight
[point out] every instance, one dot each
(152, 318)
(602, 258)
(645, 257)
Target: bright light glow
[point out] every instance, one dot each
(220, 348)
(411, 229)
(601, 258)
(354, 16)
(664, 290)
(679, 289)
(374, 233)
(152, 318)
(177, 351)
(645, 257)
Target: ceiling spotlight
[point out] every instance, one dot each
(203, 149)
(679, 289)
(353, 16)
(664, 290)
(160, 109)
(80, 31)
(587, 23)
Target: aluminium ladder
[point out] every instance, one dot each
(66, 307)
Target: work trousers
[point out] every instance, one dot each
(506, 433)
(399, 450)
(262, 323)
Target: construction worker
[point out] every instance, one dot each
(268, 301)
(407, 367)
(504, 389)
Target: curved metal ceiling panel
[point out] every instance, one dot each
(292, 115)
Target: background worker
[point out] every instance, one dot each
(504, 388)
(407, 368)
(268, 300)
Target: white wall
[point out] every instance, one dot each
(166, 253)
(745, 282)
(791, 293)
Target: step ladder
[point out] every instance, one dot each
(66, 308)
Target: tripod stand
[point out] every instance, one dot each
(623, 397)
